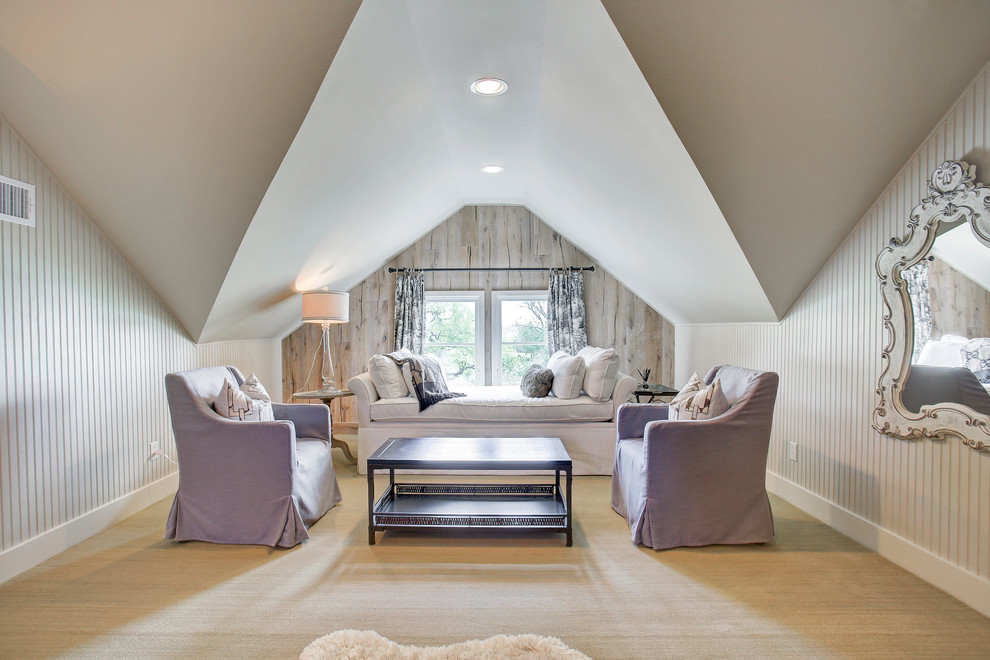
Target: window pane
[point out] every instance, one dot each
(450, 323)
(516, 358)
(450, 335)
(523, 337)
(458, 364)
(524, 321)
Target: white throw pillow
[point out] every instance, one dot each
(568, 374)
(387, 376)
(692, 387)
(708, 403)
(235, 404)
(942, 354)
(601, 371)
(254, 389)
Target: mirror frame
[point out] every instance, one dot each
(953, 195)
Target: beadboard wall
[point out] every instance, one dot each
(86, 346)
(932, 496)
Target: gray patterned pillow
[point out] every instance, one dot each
(536, 381)
(235, 404)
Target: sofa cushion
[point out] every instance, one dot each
(501, 403)
(601, 370)
(387, 376)
(707, 403)
(568, 374)
(235, 404)
(536, 381)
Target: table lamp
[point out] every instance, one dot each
(325, 307)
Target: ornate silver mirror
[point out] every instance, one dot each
(935, 289)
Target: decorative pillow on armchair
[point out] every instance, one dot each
(693, 386)
(254, 389)
(705, 404)
(235, 404)
(536, 381)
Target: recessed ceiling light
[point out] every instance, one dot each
(489, 86)
(492, 169)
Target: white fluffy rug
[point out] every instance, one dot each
(369, 645)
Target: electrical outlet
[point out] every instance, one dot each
(792, 451)
(155, 452)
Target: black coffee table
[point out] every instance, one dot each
(471, 506)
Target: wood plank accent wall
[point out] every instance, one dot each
(960, 306)
(934, 495)
(482, 236)
(86, 346)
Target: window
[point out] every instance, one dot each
(514, 338)
(519, 336)
(455, 333)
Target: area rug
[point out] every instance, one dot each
(369, 645)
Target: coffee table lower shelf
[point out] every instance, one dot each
(414, 506)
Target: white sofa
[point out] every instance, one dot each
(585, 427)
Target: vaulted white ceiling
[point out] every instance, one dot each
(237, 152)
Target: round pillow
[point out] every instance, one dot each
(536, 381)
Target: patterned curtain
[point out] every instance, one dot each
(410, 312)
(566, 328)
(916, 279)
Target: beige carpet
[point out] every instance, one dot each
(814, 593)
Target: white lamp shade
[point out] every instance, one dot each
(325, 306)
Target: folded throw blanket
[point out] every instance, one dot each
(429, 385)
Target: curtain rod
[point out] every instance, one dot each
(411, 270)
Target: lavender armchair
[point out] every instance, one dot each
(246, 482)
(692, 483)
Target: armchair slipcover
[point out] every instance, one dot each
(246, 482)
(698, 482)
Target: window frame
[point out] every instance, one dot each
(480, 335)
(496, 323)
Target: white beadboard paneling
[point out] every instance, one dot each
(86, 346)
(933, 495)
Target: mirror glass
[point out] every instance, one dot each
(950, 309)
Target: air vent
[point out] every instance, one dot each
(16, 201)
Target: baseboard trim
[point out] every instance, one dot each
(968, 587)
(46, 545)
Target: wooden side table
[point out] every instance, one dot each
(327, 397)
